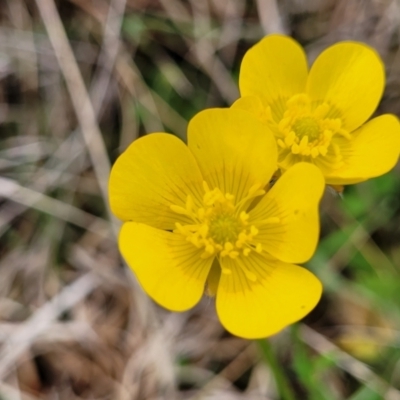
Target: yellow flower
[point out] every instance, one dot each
(317, 116)
(205, 214)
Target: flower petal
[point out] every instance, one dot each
(351, 77)
(234, 150)
(168, 267)
(154, 172)
(373, 151)
(253, 105)
(293, 200)
(282, 294)
(274, 69)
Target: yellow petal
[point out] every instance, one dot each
(274, 69)
(234, 150)
(252, 104)
(373, 151)
(281, 295)
(350, 77)
(293, 200)
(169, 268)
(255, 106)
(154, 172)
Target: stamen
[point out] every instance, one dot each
(253, 230)
(284, 124)
(323, 150)
(210, 248)
(303, 143)
(281, 143)
(178, 209)
(314, 152)
(295, 149)
(244, 217)
(220, 227)
(290, 138)
(305, 131)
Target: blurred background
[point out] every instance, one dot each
(79, 81)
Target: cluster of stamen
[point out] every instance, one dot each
(220, 226)
(306, 130)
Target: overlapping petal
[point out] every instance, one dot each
(274, 69)
(168, 267)
(350, 77)
(293, 200)
(234, 150)
(373, 151)
(282, 294)
(154, 172)
(252, 104)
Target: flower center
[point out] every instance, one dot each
(224, 228)
(306, 131)
(306, 126)
(220, 226)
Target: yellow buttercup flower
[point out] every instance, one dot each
(319, 116)
(205, 215)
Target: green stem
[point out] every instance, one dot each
(282, 382)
